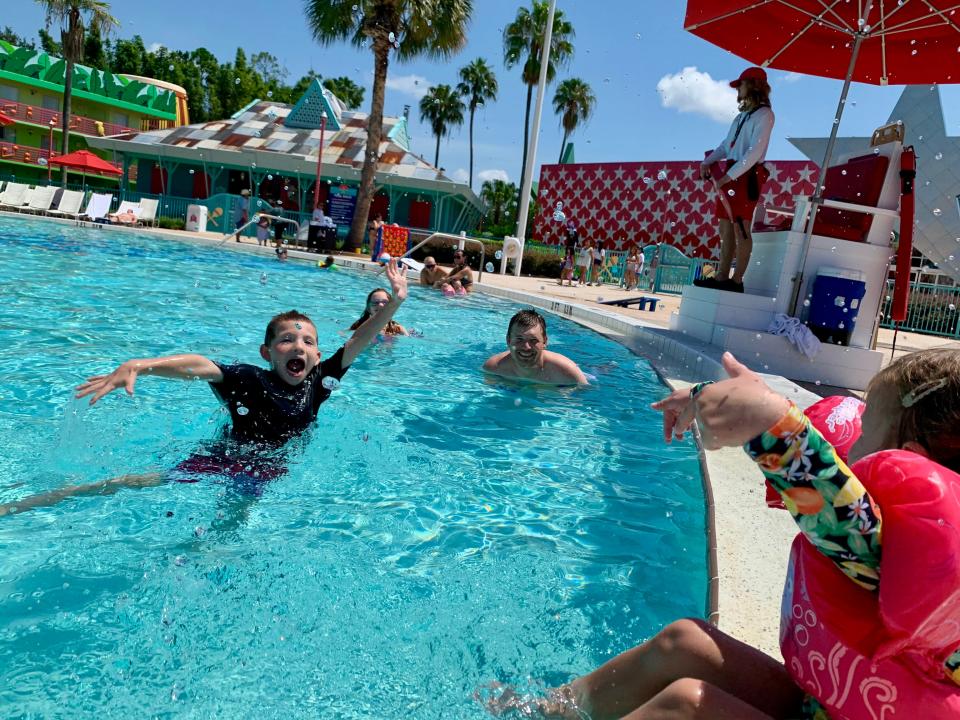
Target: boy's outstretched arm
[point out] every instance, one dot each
(182, 367)
(366, 333)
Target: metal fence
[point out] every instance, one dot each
(932, 310)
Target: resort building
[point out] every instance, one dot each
(271, 149)
(102, 104)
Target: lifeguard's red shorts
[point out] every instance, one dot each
(741, 206)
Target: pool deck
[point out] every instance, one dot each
(748, 543)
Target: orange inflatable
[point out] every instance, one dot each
(871, 655)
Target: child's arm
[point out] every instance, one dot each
(182, 367)
(366, 333)
(828, 502)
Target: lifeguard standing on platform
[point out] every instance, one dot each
(737, 166)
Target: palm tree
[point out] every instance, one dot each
(72, 14)
(573, 102)
(442, 108)
(346, 90)
(478, 84)
(522, 44)
(500, 197)
(409, 28)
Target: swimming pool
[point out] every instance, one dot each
(436, 530)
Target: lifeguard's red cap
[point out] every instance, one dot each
(751, 73)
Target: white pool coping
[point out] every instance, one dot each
(748, 544)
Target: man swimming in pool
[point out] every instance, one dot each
(528, 358)
(267, 407)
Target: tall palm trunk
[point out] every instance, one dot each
(563, 145)
(526, 141)
(436, 156)
(68, 42)
(472, 110)
(358, 227)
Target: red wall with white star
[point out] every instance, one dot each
(644, 202)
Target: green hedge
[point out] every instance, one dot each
(171, 223)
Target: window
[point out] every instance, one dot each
(8, 92)
(120, 119)
(51, 102)
(7, 134)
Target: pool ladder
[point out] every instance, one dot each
(256, 218)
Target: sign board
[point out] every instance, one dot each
(343, 201)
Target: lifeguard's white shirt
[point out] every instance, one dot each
(750, 146)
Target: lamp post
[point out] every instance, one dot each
(50, 152)
(534, 134)
(316, 184)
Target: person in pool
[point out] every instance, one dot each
(528, 358)
(377, 300)
(268, 407)
(460, 277)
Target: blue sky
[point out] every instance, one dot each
(625, 49)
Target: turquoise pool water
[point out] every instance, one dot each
(436, 530)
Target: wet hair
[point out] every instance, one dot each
(526, 319)
(289, 315)
(927, 385)
(758, 93)
(391, 328)
(328, 261)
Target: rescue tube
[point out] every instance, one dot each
(870, 655)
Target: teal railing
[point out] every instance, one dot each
(932, 310)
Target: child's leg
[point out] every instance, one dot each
(690, 669)
(104, 487)
(687, 650)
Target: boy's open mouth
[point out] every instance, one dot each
(295, 366)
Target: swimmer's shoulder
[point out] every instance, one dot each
(563, 370)
(496, 364)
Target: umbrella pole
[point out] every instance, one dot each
(817, 198)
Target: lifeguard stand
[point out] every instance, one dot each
(851, 234)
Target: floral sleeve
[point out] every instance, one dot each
(828, 502)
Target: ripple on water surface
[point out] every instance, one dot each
(435, 530)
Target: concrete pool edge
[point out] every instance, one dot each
(747, 545)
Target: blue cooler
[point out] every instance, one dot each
(835, 304)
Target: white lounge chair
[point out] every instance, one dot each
(126, 207)
(12, 197)
(98, 206)
(148, 211)
(69, 205)
(42, 199)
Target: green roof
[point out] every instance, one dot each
(39, 69)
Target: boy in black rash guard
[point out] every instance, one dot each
(267, 407)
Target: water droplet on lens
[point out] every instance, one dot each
(241, 410)
(937, 212)
(263, 278)
(661, 175)
(938, 156)
(236, 81)
(330, 383)
(731, 192)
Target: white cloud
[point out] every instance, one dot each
(493, 175)
(792, 77)
(415, 85)
(154, 47)
(693, 91)
(460, 175)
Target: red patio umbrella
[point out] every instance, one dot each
(907, 42)
(85, 161)
(4, 120)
